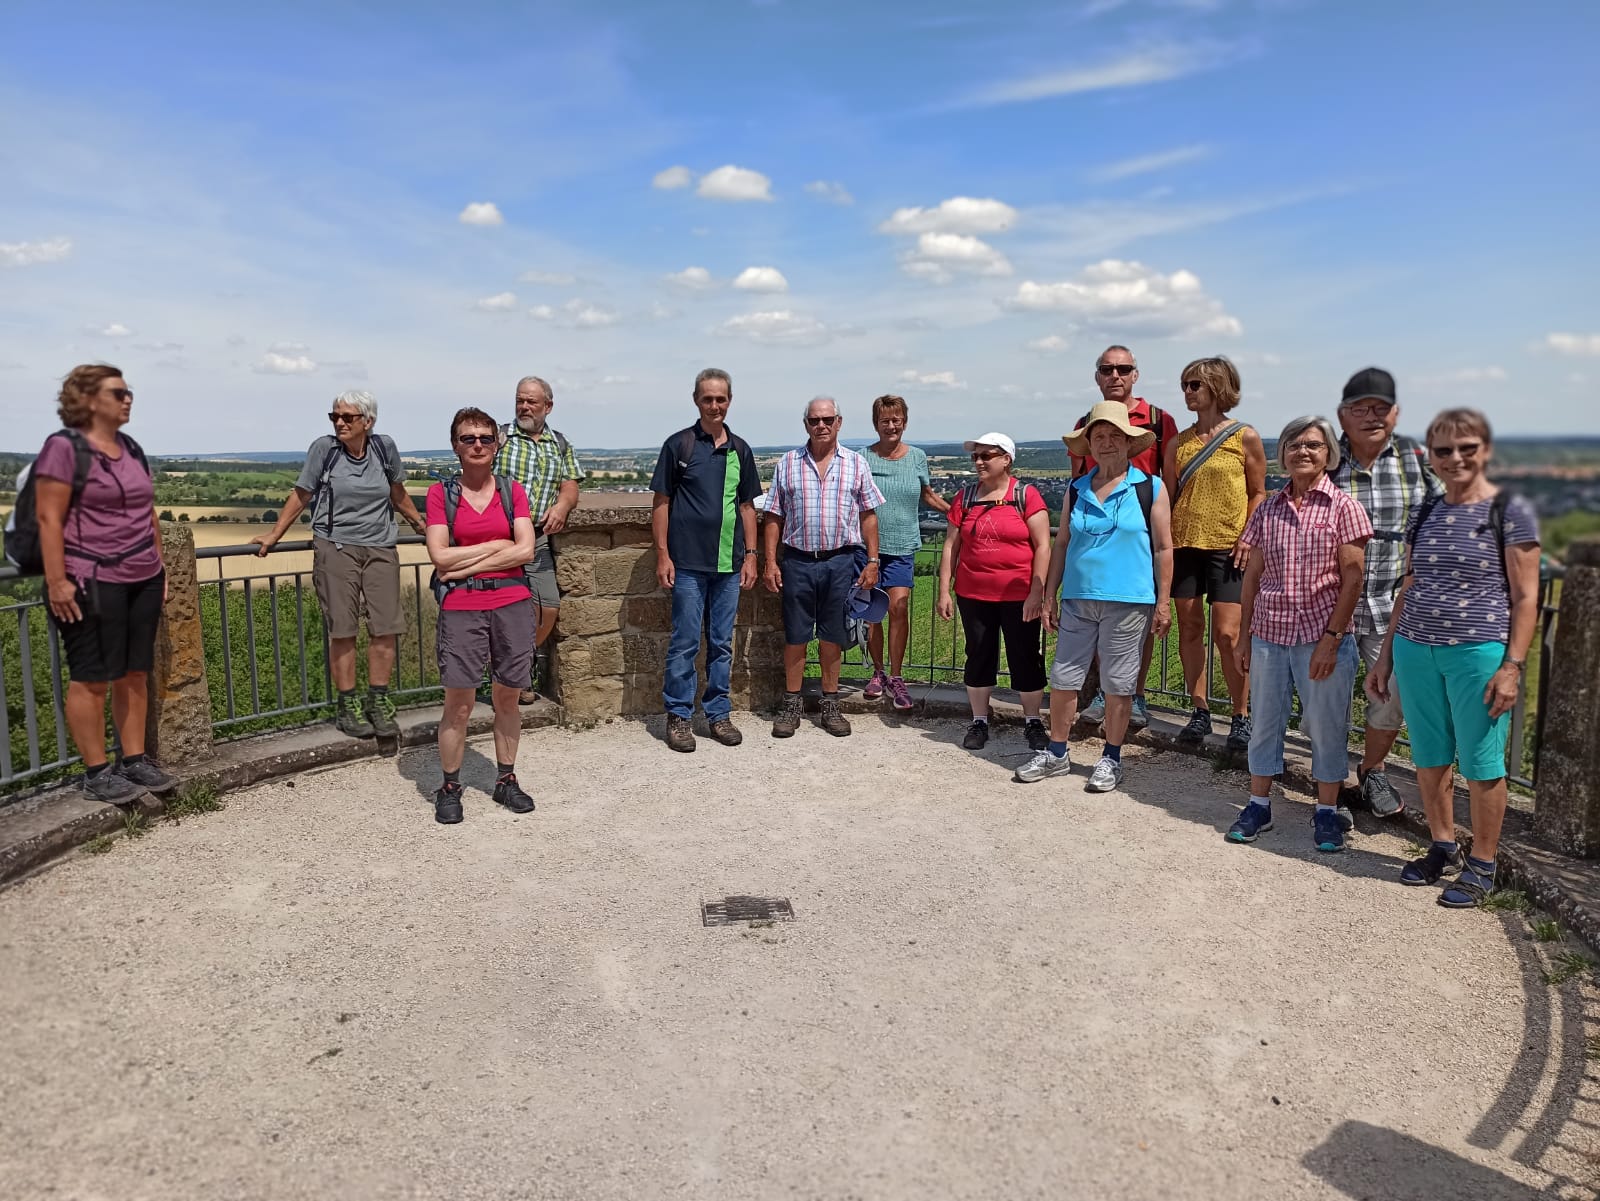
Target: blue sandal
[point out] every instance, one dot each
(1469, 890)
(1432, 867)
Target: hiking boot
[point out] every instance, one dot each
(1327, 831)
(528, 697)
(977, 735)
(680, 733)
(1380, 795)
(788, 719)
(447, 804)
(1038, 737)
(1197, 729)
(112, 787)
(380, 712)
(147, 776)
(349, 718)
(1139, 715)
(1106, 776)
(875, 686)
(1042, 766)
(832, 720)
(899, 694)
(1256, 819)
(509, 793)
(1095, 711)
(1239, 734)
(725, 732)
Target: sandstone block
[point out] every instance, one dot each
(632, 535)
(575, 573)
(605, 653)
(593, 699)
(647, 614)
(630, 571)
(641, 694)
(178, 724)
(644, 652)
(591, 615)
(1568, 809)
(572, 539)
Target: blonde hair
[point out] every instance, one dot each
(75, 403)
(1220, 377)
(889, 401)
(1460, 421)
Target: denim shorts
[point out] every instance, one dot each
(1445, 714)
(894, 571)
(1277, 672)
(815, 592)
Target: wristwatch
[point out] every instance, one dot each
(748, 551)
(872, 560)
(1519, 664)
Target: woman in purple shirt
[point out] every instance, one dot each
(104, 577)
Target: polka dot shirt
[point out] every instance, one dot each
(1458, 593)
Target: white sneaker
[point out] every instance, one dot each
(1107, 775)
(1043, 765)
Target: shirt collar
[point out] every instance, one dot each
(516, 431)
(1346, 455)
(1323, 487)
(702, 433)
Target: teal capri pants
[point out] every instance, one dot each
(1445, 713)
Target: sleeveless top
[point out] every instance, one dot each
(1210, 512)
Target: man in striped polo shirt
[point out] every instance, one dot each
(703, 518)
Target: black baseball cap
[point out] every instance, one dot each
(1373, 382)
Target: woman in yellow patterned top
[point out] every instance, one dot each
(1216, 473)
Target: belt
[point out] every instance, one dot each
(1387, 536)
(816, 556)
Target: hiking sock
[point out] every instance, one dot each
(1264, 801)
(1035, 721)
(378, 689)
(1483, 869)
(91, 772)
(984, 720)
(453, 777)
(131, 760)
(1057, 748)
(347, 696)
(1321, 808)
(502, 770)
(1447, 849)
(1113, 753)
(834, 694)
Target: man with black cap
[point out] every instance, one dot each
(1388, 474)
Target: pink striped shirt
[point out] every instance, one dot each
(1300, 584)
(822, 512)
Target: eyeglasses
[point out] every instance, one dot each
(1465, 450)
(983, 456)
(120, 395)
(1375, 408)
(821, 420)
(341, 418)
(1193, 385)
(1116, 368)
(477, 439)
(1309, 448)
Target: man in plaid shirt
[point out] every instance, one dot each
(542, 461)
(1387, 475)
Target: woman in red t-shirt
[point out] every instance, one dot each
(998, 545)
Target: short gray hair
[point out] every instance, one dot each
(806, 412)
(713, 373)
(1299, 426)
(534, 379)
(363, 402)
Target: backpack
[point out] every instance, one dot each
(683, 452)
(1018, 501)
(22, 527)
(562, 445)
(325, 476)
(1497, 523)
(1155, 422)
(452, 504)
(1145, 490)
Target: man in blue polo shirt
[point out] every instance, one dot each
(703, 519)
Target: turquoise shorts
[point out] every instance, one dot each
(1445, 714)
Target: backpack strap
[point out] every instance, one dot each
(1213, 444)
(1497, 524)
(1158, 425)
(683, 454)
(1019, 499)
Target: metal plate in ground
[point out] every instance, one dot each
(729, 910)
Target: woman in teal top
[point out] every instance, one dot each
(900, 471)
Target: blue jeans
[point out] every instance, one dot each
(702, 602)
(1277, 672)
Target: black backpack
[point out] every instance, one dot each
(1497, 523)
(22, 529)
(325, 476)
(452, 504)
(1144, 489)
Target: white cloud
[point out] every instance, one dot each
(554, 279)
(958, 215)
(542, 312)
(500, 302)
(692, 279)
(776, 327)
(938, 257)
(761, 279)
(1587, 345)
(616, 380)
(589, 316)
(282, 364)
(158, 347)
(830, 190)
(481, 213)
(287, 347)
(1049, 344)
(115, 330)
(672, 178)
(1156, 65)
(663, 312)
(932, 379)
(1468, 375)
(734, 183)
(1116, 295)
(1147, 163)
(27, 254)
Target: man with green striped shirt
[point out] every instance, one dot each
(703, 519)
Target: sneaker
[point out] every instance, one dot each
(788, 719)
(1327, 831)
(1042, 766)
(725, 732)
(1106, 776)
(899, 694)
(350, 720)
(976, 737)
(1347, 819)
(147, 776)
(1139, 715)
(1256, 819)
(380, 712)
(680, 733)
(1238, 734)
(509, 793)
(875, 686)
(832, 720)
(1038, 737)
(1197, 729)
(1380, 794)
(447, 804)
(1095, 711)
(112, 787)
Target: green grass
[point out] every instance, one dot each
(134, 823)
(193, 800)
(1507, 900)
(1568, 965)
(99, 844)
(1545, 929)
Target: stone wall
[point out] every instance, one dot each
(611, 641)
(1567, 813)
(178, 726)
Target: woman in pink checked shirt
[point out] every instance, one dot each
(1307, 547)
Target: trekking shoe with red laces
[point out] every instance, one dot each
(509, 793)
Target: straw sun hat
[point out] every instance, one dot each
(1116, 413)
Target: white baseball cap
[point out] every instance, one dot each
(991, 439)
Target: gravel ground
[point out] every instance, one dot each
(991, 990)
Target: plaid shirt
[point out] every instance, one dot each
(1299, 587)
(539, 465)
(1390, 493)
(822, 512)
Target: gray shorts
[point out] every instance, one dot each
(500, 638)
(356, 579)
(1381, 715)
(541, 573)
(1112, 629)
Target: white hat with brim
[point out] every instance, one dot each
(1116, 413)
(991, 439)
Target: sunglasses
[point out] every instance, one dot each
(983, 456)
(1116, 368)
(821, 420)
(477, 439)
(1376, 408)
(1193, 385)
(120, 395)
(1465, 450)
(341, 418)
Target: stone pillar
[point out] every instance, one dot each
(178, 729)
(1567, 808)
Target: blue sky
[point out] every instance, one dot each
(252, 210)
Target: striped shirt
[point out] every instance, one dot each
(541, 465)
(1458, 593)
(822, 512)
(1391, 492)
(1299, 586)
